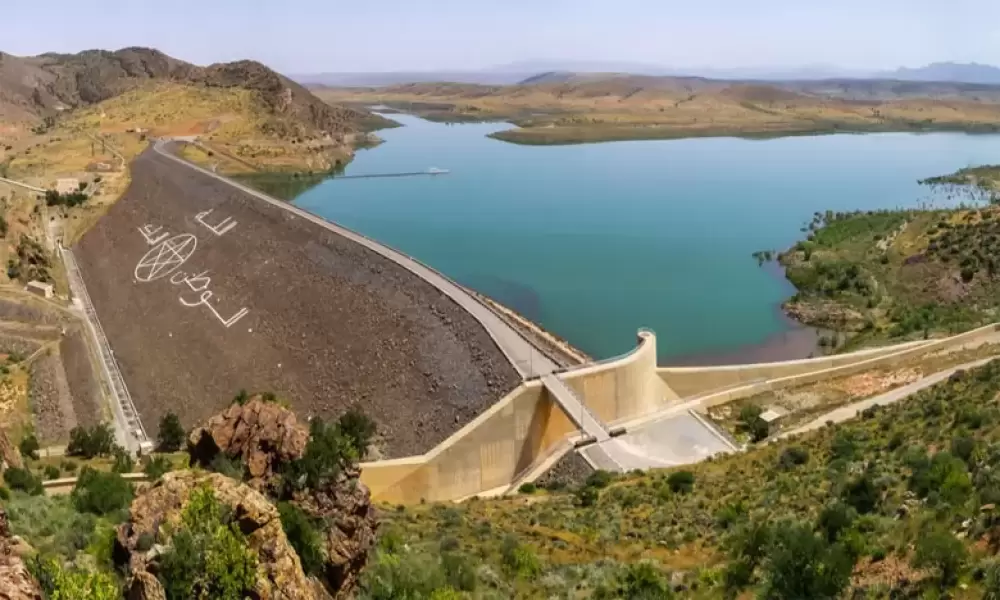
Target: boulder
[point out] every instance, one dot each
(144, 586)
(160, 508)
(16, 583)
(263, 435)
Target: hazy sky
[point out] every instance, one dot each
(300, 36)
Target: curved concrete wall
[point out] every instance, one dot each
(527, 426)
(524, 427)
(623, 388)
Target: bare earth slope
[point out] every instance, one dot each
(327, 323)
(570, 108)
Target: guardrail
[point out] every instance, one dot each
(122, 398)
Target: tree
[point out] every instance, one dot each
(171, 436)
(358, 429)
(29, 446)
(88, 443)
(301, 534)
(753, 424)
(209, 555)
(940, 550)
(101, 493)
(802, 565)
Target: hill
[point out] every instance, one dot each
(562, 107)
(47, 84)
(949, 71)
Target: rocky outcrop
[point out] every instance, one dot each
(160, 508)
(10, 456)
(263, 435)
(346, 507)
(266, 436)
(16, 583)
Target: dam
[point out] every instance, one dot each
(204, 290)
(204, 287)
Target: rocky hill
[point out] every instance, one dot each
(43, 85)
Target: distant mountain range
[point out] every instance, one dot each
(528, 70)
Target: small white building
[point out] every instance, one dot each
(773, 415)
(41, 288)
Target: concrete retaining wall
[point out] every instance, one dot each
(524, 427)
(694, 381)
(902, 354)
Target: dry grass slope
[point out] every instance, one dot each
(628, 107)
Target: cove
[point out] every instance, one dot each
(595, 241)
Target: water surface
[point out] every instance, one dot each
(595, 241)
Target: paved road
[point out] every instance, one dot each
(850, 411)
(23, 185)
(527, 359)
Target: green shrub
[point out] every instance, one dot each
(862, 494)
(403, 574)
(528, 488)
(101, 493)
(23, 480)
(124, 463)
(834, 519)
(459, 571)
(587, 496)
(232, 468)
(4, 493)
(327, 451)
(600, 479)
(51, 472)
(793, 456)
(171, 435)
(681, 482)
(938, 549)
(68, 465)
(302, 535)
(209, 555)
(59, 583)
(29, 446)
(156, 466)
(520, 560)
(639, 580)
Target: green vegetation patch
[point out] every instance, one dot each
(901, 502)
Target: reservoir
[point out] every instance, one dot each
(595, 241)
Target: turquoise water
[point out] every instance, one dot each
(595, 241)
